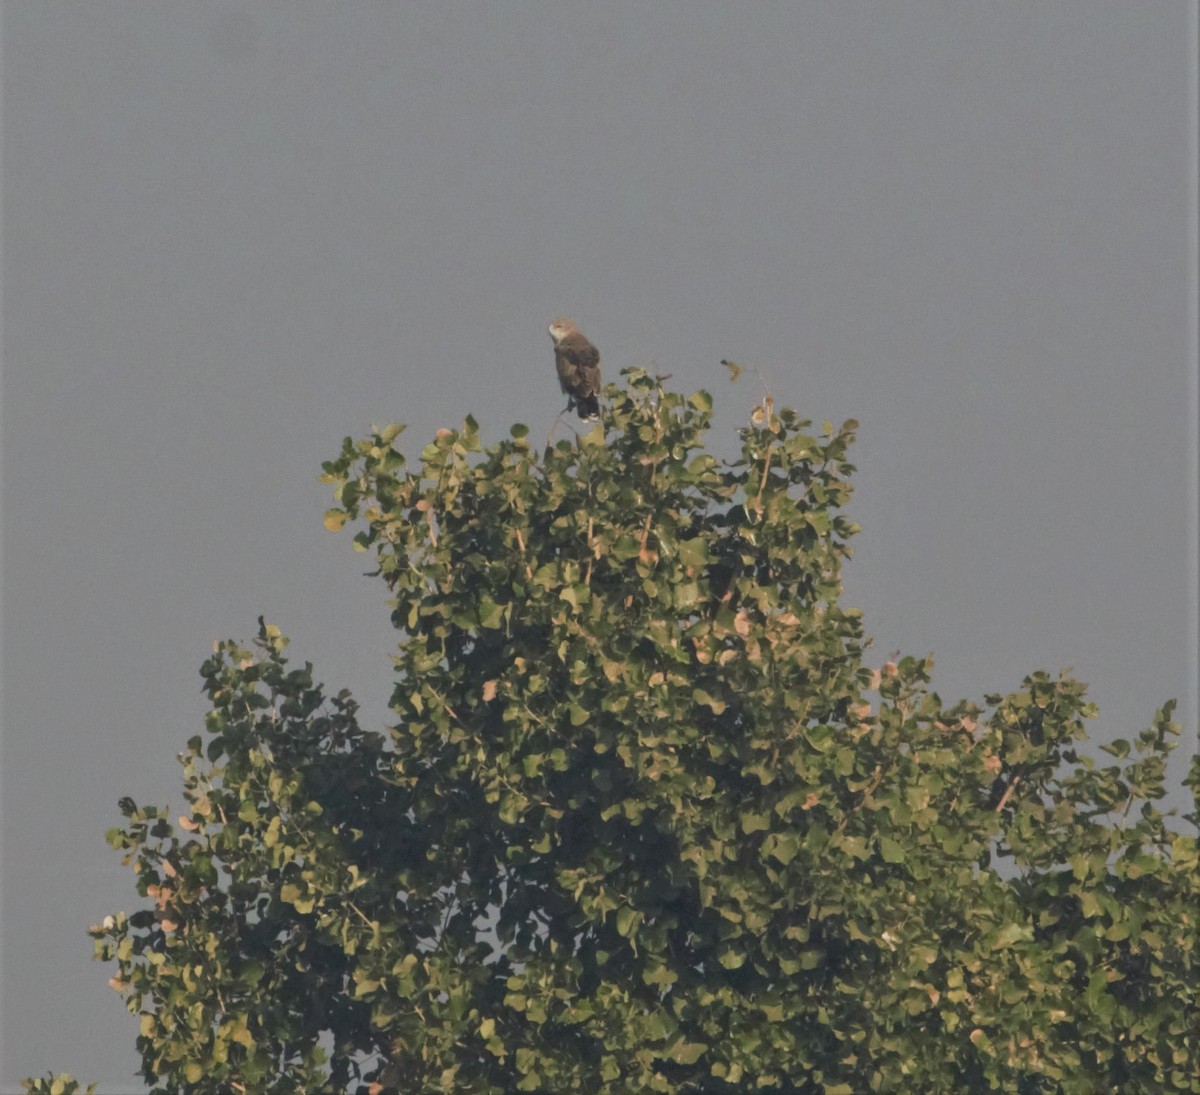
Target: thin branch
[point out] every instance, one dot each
(762, 483)
(540, 721)
(1008, 793)
(645, 533)
(521, 545)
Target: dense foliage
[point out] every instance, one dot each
(646, 820)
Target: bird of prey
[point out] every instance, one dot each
(578, 365)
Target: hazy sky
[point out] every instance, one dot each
(236, 232)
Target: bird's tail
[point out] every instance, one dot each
(588, 408)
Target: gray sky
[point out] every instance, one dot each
(236, 232)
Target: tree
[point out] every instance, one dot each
(646, 820)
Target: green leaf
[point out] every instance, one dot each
(755, 823)
(1013, 933)
(703, 698)
(290, 893)
(731, 959)
(491, 615)
(693, 553)
(782, 846)
(335, 519)
(661, 976)
(684, 1052)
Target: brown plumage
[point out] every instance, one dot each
(578, 365)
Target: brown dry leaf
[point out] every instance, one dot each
(489, 690)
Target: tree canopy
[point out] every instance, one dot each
(647, 819)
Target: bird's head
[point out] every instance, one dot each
(562, 327)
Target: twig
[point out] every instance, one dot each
(449, 710)
(874, 783)
(540, 721)
(762, 483)
(521, 545)
(1008, 793)
(645, 533)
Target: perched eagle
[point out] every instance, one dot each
(578, 365)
